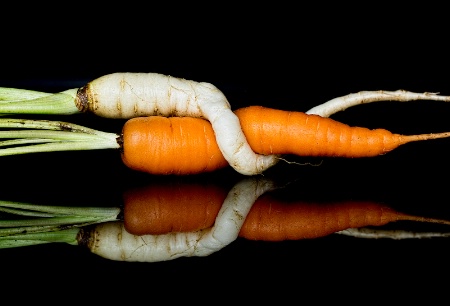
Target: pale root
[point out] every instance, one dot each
(128, 95)
(396, 234)
(363, 97)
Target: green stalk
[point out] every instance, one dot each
(41, 219)
(8, 244)
(21, 207)
(23, 101)
(15, 94)
(59, 225)
(53, 221)
(46, 125)
(63, 236)
(50, 223)
(32, 136)
(20, 142)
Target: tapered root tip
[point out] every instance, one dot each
(407, 217)
(420, 137)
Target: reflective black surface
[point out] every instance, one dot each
(412, 178)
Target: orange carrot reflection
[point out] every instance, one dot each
(163, 208)
(160, 209)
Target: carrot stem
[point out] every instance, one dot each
(47, 125)
(17, 94)
(22, 101)
(50, 136)
(50, 218)
(21, 208)
(8, 232)
(19, 240)
(50, 221)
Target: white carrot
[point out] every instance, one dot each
(363, 97)
(111, 240)
(396, 234)
(128, 95)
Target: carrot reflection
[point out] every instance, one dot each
(183, 207)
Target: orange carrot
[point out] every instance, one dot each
(189, 147)
(273, 131)
(158, 210)
(174, 145)
(186, 145)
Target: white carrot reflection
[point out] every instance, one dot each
(111, 240)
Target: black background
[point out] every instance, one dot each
(275, 69)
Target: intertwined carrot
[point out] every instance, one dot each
(186, 145)
(183, 145)
(127, 95)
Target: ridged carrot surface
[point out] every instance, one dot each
(185, 145)
(158, 209)
(174, 145)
